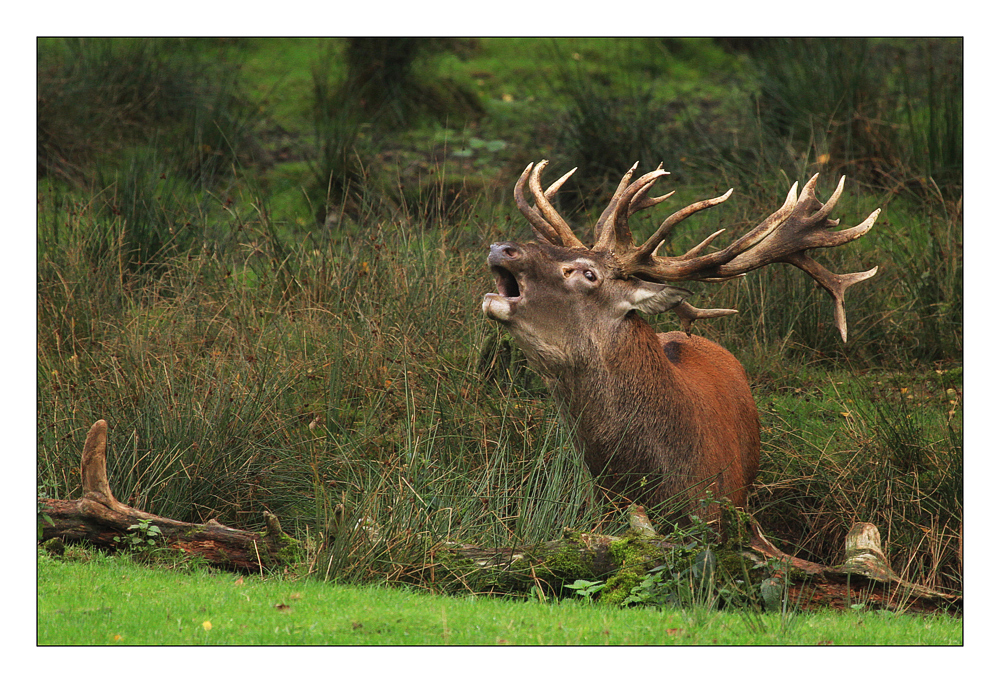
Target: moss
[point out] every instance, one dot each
(620, 586)
(564, 561)
(455, 572)
(54, 546)
(732, 564)
(635, 555)
(289, 550)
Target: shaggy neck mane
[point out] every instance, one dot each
(622, 398)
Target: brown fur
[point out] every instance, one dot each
(659, 419)
(665, 418)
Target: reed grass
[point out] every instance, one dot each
(340, 374)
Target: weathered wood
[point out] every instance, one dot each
(97, 517)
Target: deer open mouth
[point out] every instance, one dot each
(500, 305)
(507, 285)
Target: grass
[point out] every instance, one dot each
(113, 601)
(257, 342)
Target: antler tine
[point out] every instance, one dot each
(539, 225)
(640, 201)
(688, 314)
(554, 187)
(616, 236)
(561, 227)
(832, 201)
(647, 202)
(695, 250)
(835, 284)
(657, 238)
(556, 222)
(622, 184)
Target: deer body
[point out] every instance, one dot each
(659, 418)
(689, 425)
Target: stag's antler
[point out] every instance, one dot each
(801, 223)
(546, 222)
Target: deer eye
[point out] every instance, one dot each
(589, 274)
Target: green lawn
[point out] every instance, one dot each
(109, 601)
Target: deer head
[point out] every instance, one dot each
(561, 279)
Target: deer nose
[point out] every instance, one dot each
(504, 251)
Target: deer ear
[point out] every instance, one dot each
(654, 297)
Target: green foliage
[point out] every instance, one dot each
(696, 572)
(585, 589)
(142, 535)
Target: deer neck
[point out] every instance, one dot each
(622, 394)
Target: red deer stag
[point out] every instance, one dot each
(659, 418)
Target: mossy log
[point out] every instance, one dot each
(98, 518)
(864, 577)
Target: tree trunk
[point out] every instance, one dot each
(101, 520)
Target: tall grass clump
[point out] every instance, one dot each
(343, 146)
(916, 493)
(931, 111)
(392, 81)
(228, 393)
(829, 95)
(885, 449)
(150, 213)
(887, 112)
(390, 86)
(98, 97)
(604, 130)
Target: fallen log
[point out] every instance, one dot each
(865, 577)
(98, 518)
